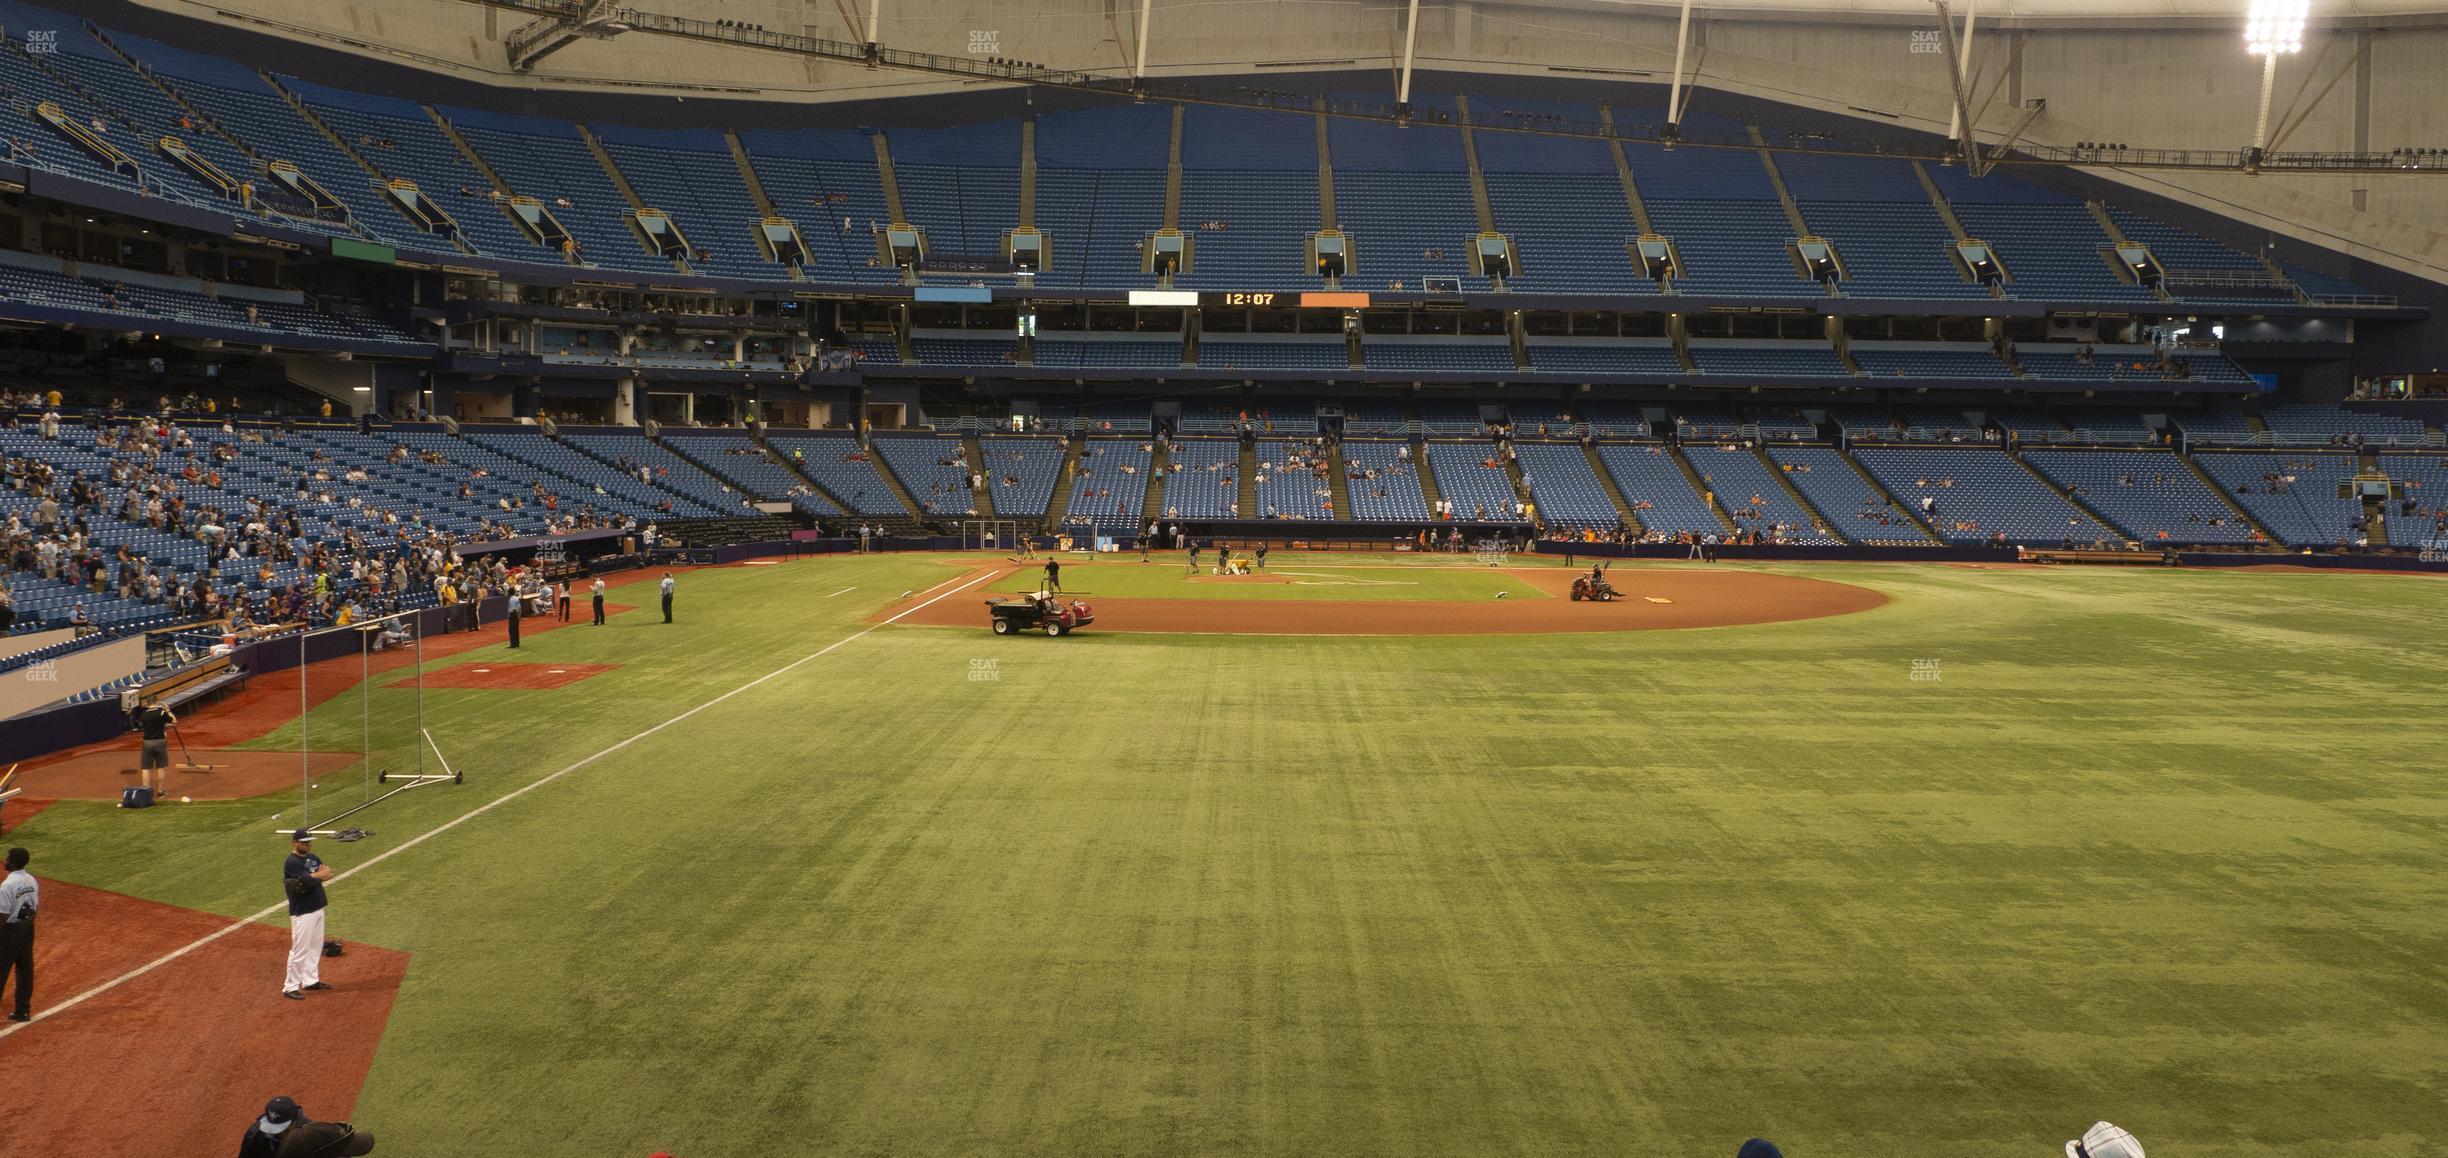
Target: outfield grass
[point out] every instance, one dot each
(2160, 847)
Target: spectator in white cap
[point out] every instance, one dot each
(2103, 1140)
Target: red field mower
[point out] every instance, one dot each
(1038, 609)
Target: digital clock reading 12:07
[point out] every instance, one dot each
(1244, 298)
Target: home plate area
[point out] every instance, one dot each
(520, 676)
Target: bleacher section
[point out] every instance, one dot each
(2304, 424)
(1561, 202)
(1747, 490)
(2293, 494)
(1661, 497)
(1855, 509)
(1203, 481)
(932, 469)
(1981, 496)
(1771, 360)
(1567, 492)
(1384, 483)
(1604, 356)
(2149, 494)
(1022, 471)
(837, 464)
(1293, 490)
(1888, 236)
(1106, 493)
(753, 469)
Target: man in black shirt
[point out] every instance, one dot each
(1053, 575)
(302, 876)
(517, 611)
(152, 721)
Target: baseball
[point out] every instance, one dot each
(186, 800)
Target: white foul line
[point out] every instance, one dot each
(843, 591)
(486, 807)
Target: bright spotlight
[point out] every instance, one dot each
(2275, 27)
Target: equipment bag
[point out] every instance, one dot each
(135, 798)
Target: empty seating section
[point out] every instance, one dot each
(1777, 360)
(1571, 232)
(1854, 508)
(2150, 494)
(935, 471)
(1116, 417)
(1221, 353)
(1661, 497)
(1929, 360)
(2181, 250)
(1202, 479)
(1865, 423)
(130, 102)
(1888, 236)
(1403, 195)
(1746, 489)
(2102, 364)
(689, 174)
(962, 185)
(274, 313)
(2310, 423)
(2217, 426)
(2048, 242)
(1703, 421)
(29, 87)
(1462, 418)
(1478, 491)
(1936, 424)
(595, 459)
(1784, 425)
(272, 131)
(1021, 471)
(2093, 424)
(1731, 248)
(1111, 483)
(1375, 418)
(546, 160)
(825, 179)
(1293, 482)
(1599, 356)
(755, 470)
(1447, 355)
(2292, 494)
(938, 350)
(1613, 421)
(1567, 492)
(2032, 426)
(836, 463)
(398, 138)
(1980, 496)
(1249, 196)
(1384, 482)
(1108, 353)
(1100, 191)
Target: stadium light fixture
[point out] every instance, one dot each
(2275, 27)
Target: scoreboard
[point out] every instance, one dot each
(1250, 299)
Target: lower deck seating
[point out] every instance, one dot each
(1478, 491)
(1568, 493)
(1109, 487)
(2150, 494)
(2293, 493)
(1746, 489)
(1661, 497)
(1855, 509)
(1384, 482)
(1979, 495)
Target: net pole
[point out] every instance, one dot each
(305, 749)
(365, 711)
(417, 634)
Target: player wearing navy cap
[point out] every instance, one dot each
(302, 875)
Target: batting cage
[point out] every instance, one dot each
(361, 731)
